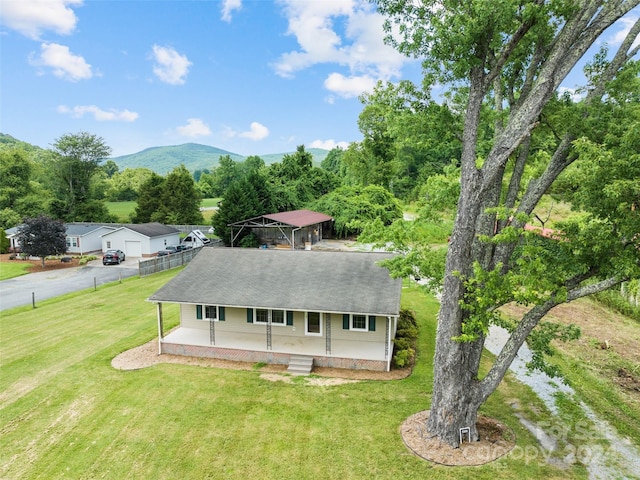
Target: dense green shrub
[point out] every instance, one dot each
(404, 345)
(250, 241)
(88, 258)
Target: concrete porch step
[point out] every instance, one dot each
(300, 365)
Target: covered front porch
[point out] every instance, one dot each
(254, 347)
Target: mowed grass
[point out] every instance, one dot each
(13, 269)
(124, 210)
(65, 412)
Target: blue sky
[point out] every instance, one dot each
(248, 76)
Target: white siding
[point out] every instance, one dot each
(292, 339)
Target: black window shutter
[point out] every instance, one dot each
(221, 313)
(289, 318)
(249, 315)
(372, 323)
(199, 312)
(345, 321)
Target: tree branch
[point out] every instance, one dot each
(580, 32)
(601, 286)
(511, 46)
(529, 321)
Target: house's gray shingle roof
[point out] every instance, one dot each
(81, 229)
(347, 282)
(152, 229)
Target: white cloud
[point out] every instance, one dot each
(343, 32)
(32, 17)
(65, 64)
(328, 144)
(348, 87)
(99, 115)
(194, 128)
(574, 94)
(257, 132)
(618, 37)
(170, 67)
(229, 6)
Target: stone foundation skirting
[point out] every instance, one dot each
(254, 356)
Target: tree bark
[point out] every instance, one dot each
(457, 392)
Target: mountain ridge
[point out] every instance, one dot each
(163, 159)
(195, 156)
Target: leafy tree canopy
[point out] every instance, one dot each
(78, 157)
(245, 198)
(354, 207)
(501, 64)
(42, 236)
(180, 198)
(296, 182)
(149, 199)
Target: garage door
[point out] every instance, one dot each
(132, 249)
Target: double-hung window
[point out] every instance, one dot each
(210, 312)
(359, 323)
(277, 316)
(313, 323)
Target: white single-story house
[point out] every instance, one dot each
(12, 234)
(83, 238)
(339, 309)
(140, 240)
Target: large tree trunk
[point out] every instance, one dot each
(457, 391)
(456, 397)
(455, 402)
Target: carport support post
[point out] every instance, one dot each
(159, 305)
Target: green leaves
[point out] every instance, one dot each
(354, 207)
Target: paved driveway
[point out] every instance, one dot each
(18, 291)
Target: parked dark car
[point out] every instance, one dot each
(113, 256)
(162, 253)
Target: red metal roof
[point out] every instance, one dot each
(299, 218)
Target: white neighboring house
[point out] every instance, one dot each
(83, 238)
(140, 240)
(12, 233)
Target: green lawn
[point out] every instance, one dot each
(13, 269)
(66, 413)
(124, 210)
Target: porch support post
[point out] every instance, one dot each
(160, 328)
(390, 334)
(327, 332)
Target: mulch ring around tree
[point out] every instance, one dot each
(496, 439)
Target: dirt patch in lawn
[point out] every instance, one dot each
(609, 342)
(147, 355)
(496, 439)
(602, 329)
(35, 265)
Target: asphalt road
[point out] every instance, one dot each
(19, 291)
